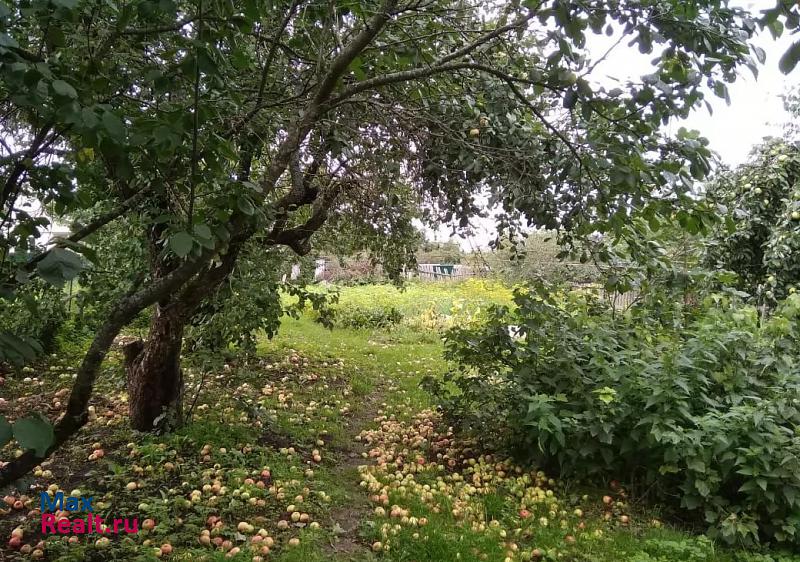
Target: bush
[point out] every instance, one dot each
(378, 316)
(699, 549)
(36, 313)
(700, 405)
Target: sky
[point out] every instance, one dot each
(756, 108)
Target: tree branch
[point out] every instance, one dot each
(443, 64)
(16, 172)
(162, 29)
(315, 108)
(85, 231)
(271, 55)
(297, 238)
(195, 116)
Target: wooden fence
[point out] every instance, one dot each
(442, 272)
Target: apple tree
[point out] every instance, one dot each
(760, 240)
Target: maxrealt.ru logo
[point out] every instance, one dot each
(68, 505)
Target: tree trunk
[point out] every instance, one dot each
(155, 381)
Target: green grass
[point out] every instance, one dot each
(310, 385)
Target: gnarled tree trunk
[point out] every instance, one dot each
(155, 381)
(153, 367)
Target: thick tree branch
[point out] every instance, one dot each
(444, 64)
(10, 185)
(271, 56)
(315, 107)
(298, 238)
(177, 26)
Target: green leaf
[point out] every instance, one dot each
(7, 41)
(181, 243)
(245, 206)
(6, 432)
(606, 394)
(697, 465)
(113, 126)
(760, 53)
(721, 91)
(60, 265)
(35, 433)
(202, 231)
(790, 58)
(18, 350)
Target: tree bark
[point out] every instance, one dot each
(153, 367)
(155, 380)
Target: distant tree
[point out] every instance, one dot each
(439, 252)
(760, 240)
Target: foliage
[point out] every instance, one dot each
(373, 317)
(697, 550)
(32, 432)
(240, 308)
(249, 304)
(186, 119)
(120, 264)
(700, 403)
(784, 14)
(537, 255)
(33, 317)
(760, 240)
(439, 252)
(308, 384)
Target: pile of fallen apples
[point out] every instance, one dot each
(217, 487)
(456, 477)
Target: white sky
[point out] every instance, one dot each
(756, 108)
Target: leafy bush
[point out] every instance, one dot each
(700, 405)
(699, 549)
(35, 315)
(354, 316)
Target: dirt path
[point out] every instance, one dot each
(346, 520)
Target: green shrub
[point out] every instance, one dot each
(700, 405)
(36, 313)
(698, 549)
(378, 316)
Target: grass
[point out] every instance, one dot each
(353, 397)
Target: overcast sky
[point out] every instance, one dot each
(756, 108)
